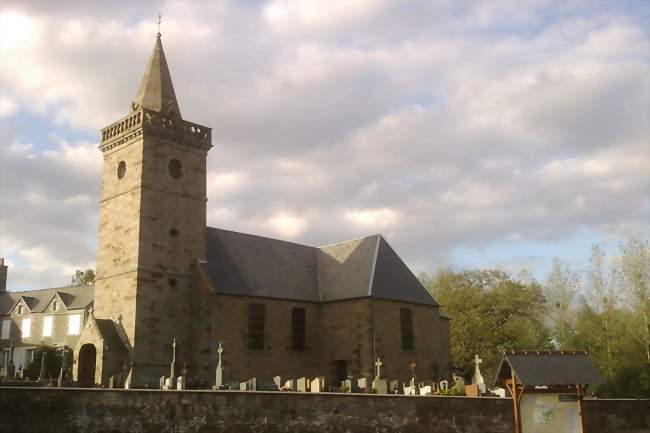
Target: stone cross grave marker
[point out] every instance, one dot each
(477, 379)
(218, 379)
(378, 364)
(379, 385)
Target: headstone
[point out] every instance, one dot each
(362, 384)
(252, 384)
(289, 385)
(472, 390)
(346, 385)
(380, 386)
(501, 392)
(459, 383)
(426, 390)
(394, 386)
(243, 386)
(161, 383)
(317, 385)
(277, 380)
(180, 383)
(444, 385)
(477, 378)
(127, 381)
(302, 384)
(409, 389)
(218, 375)
(169, 383)
(111, 382)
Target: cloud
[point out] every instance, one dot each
(448, 127)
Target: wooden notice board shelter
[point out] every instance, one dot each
(547, 388)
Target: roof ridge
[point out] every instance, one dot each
(18, 292)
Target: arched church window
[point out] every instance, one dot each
(256, 325)
(298, 329)
(406, 325)
(121, 169)
(175, 168)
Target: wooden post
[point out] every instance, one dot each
(580, 395)
(515, 401)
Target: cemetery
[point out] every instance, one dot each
(534, 391)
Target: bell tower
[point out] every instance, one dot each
(151, 224)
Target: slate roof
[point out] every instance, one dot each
(76, 297)
(547, 367)
(249, 265)
(109, 333)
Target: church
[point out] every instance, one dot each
(277, 308)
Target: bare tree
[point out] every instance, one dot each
(561, 287)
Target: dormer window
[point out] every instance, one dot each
(20, 309)
(55, 306)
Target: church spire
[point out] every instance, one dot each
(156, 89)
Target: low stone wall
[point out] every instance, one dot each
(55, 410)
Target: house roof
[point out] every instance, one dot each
(75, 297)
(549, 367)
(249, 265)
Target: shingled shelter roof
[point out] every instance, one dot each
(73, 298)
(548, 367)
(249, 265)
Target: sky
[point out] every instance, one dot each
(469, 133)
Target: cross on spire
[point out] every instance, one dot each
(158, 22)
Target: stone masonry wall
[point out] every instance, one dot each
(76, 410)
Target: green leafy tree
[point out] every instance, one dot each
(490, 313)
(52, 366)
(561, 287)
(83, 277)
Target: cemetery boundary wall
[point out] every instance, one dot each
(70, 410)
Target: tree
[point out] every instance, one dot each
(602, 297)
(490, 312)
(83, 277)
(634, 277)
(561, 287)
(53, 361)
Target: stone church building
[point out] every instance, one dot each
(277, 307)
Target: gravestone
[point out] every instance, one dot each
(161, 384)
(346, 385)
(169, 383)
(218, 374)
(180, 383)
(289, 385)
(277, 380)
(459, 384)
(302, 384)
(410, 389)
(243, 386)
(426, 390)
(472, 390)
(362, 384)
(444, 385)
(252, 384)
(501, 392)
(394, 386)
(477, 378)
(317, 385)
(379, 385)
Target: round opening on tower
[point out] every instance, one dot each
(175, 168)
(173, 232)
(121, 169)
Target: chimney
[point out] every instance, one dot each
(3, 276)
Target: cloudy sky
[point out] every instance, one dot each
(468, 133)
